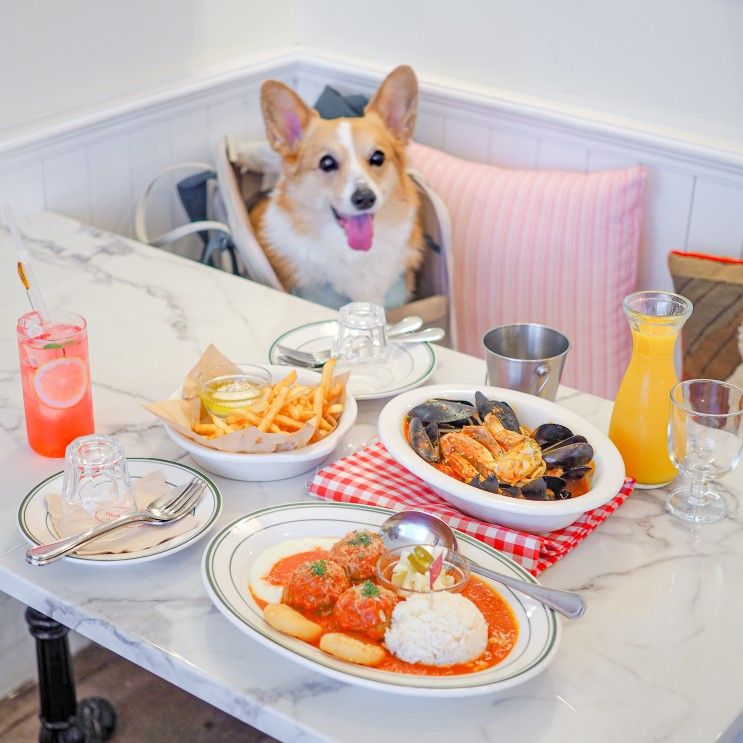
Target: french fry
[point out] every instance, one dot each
(287, 381)
(246, 416)
(335, 409)
(317, 410)
(288, 422)
(276, 405)
(223, 427)
(291, 622)
(204, 429)
(350, 649)
(298, 391)
(327, 375)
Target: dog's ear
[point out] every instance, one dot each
(396, 102)
(286, 117)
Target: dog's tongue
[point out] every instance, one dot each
(359, 231)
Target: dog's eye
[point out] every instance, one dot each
(328, 163)
(377, 158)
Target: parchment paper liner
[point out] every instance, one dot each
(181, 414)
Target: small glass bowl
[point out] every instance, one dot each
(454, 564)
(223, 390)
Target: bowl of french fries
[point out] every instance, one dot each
(292, 425)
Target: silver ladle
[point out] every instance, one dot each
(417, 527)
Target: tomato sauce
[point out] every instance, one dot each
(502, 632)
(282, 569)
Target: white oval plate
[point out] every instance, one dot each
(36, 526)
(528, 515)
(408, 364)
(226, 571)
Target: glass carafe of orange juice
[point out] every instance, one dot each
(639, 423)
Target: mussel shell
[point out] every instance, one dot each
(554, 484)
(512, 490)
(574, 439)
(568, 456)
(564, 494)
(443, 411)
(536, 490)
(551, 433)
(423, 445)
(502, 410)
(575, 473)
(489, 483)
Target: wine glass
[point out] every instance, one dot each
(705, 435)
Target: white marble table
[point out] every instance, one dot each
(657, 657)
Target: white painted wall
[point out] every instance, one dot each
(677, 64)
(59, 57)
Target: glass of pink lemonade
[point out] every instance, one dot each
(55, 375)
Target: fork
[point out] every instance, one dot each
(318, 358)
(163, 510)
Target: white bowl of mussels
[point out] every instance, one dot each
(502, 456)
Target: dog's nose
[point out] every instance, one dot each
(363, 198)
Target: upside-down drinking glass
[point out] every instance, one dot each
(705, 436)
(362, 333)
(96, 485)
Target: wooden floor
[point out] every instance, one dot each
(149, 709)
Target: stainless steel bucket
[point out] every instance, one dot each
(525, 357)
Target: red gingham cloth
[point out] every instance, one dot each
(373, 478)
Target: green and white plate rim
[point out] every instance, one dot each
(226, 571)
(35, 524)
(408, 366)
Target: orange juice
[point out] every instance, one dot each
(639, 422)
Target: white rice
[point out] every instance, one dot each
(438, 629)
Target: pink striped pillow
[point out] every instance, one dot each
(553, 247)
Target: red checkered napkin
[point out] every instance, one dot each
(373, 478)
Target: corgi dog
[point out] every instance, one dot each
(342, 222)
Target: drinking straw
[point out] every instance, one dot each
(25, 269)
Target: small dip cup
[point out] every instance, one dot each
(454, 564)
(223, 390)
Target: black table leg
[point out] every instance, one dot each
(63, 720)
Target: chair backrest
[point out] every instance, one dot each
(553, 247)
(245, 167)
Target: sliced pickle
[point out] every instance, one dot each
(423, 555)
(417, 564)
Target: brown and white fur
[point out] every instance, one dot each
(334, 191)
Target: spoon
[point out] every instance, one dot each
(417, 527)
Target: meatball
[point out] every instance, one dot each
(358, 552)
(365, 608)
(315, 586)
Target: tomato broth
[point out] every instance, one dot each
(502, 625)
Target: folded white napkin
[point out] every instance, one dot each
(133, 538)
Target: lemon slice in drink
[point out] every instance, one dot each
(61, 383)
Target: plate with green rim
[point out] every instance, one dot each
(36, 526)
(408, 365)
(226, 574)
